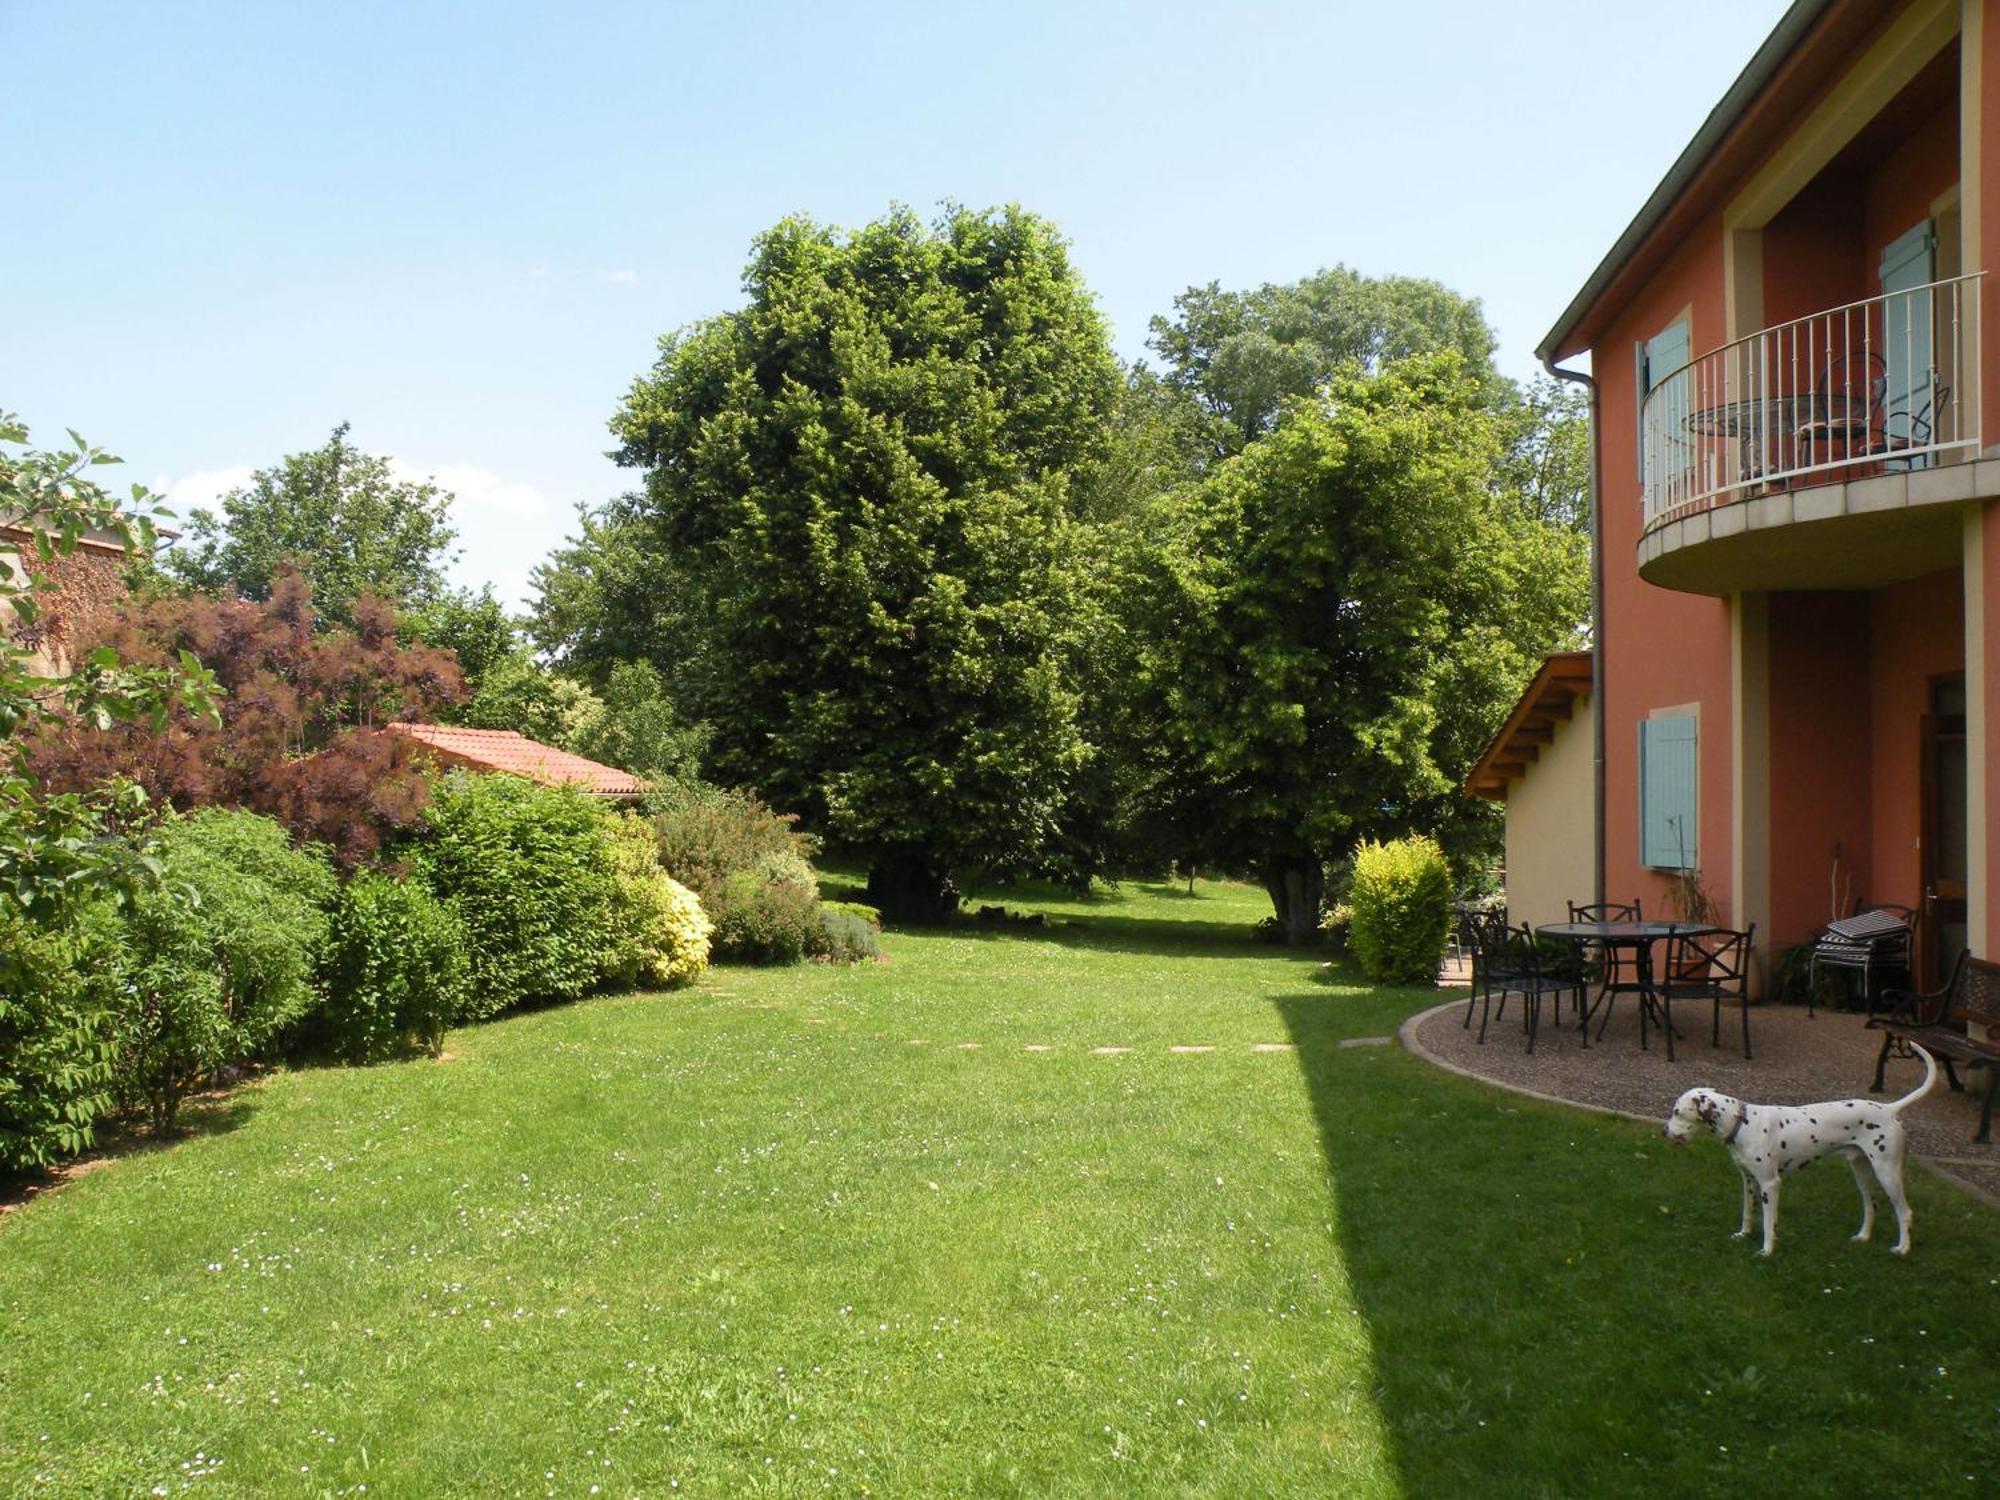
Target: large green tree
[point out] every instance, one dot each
(341, 515)
(1323, 629)
(867, 479)
(1240, 355)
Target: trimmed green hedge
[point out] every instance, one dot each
(1400, 909)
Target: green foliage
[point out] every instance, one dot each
(763, 921)
(660, 934)
(1321, 634)
(750, 866)
(473, 627)
(517, 693)
(847, 938)
(222, 956)
(342, 515)
(612, 594)
(61, 850)
(1242, 355)
(396, 971)
(529, 871)
(1400, 910)
(860, 911)
(634, 726)
(58, 1028)
(863, 483)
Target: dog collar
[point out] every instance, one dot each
(1742, 1115)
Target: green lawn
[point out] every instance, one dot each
(784, 1235)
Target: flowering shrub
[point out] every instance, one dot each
(221, 956)
(1400, 909)
(660, 933)
(395, 974)
(749, 865)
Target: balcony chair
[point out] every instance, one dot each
(1712, 966)
(1847, 410)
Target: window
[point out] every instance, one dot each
(1668, 819)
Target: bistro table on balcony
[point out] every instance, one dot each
(1766, 426)
(1639, 937)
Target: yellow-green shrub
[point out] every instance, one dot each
(660, 933)
(1400, 909)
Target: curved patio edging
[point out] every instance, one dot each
(1406, 1036)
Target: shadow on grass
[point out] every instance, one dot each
(1555, 1305)
(215, 1113)
(1156, 937)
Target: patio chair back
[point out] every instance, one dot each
(1607, 911)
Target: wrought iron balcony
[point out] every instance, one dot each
(1885, 384)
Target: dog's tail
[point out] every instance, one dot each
(1930, 1078)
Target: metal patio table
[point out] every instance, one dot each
(1639, 937)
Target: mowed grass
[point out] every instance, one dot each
(789, 1234)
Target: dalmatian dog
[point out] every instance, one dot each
(1767, 1141)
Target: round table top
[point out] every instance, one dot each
(1627, 932)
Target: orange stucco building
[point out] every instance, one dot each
(1791, 357)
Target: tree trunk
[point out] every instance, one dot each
(1296, 886)
(912, 887)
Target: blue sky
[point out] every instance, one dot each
(462, 228)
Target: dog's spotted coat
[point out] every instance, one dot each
(1767, 1141)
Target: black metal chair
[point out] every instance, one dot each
(1847, 409)
(1712, 966)
(1617, 969)
(1483, 933)
(1875, 940)
(1511, 962)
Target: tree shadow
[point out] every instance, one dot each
(213, 1113)
(1555, 1305)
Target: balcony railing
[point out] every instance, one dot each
(1885, 384)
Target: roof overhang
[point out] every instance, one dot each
(1548, 701)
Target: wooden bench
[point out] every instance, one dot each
(1960, 1021)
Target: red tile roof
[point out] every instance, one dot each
(517, 755)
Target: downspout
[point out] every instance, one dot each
(1589, 383)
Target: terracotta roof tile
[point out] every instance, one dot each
(517, 755)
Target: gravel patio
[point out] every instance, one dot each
(1796, 1060)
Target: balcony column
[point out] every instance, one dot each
(1979, 171)
(1750, 769)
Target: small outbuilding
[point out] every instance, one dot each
(513, 754)
(1540, 765)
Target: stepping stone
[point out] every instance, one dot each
(1366, 1041)
(968, 1046)
(1272, 1047)
(1037, 1047)
(1190, 1049)
(1108, 1051)
(917, 1041)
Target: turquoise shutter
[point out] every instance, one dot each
(1668, 826)
(1663, 354)
(1909, 262)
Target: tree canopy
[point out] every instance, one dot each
(1324, 627)
(341, 516)
(864, 481)
(1240, 355)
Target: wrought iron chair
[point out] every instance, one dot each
(1616, 969)
(1712, 966)
(1847, 409)
(1483, 933)
(1511, 962)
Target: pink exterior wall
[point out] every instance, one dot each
(1821, 748)
(1918, 630)
(1662, 649)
